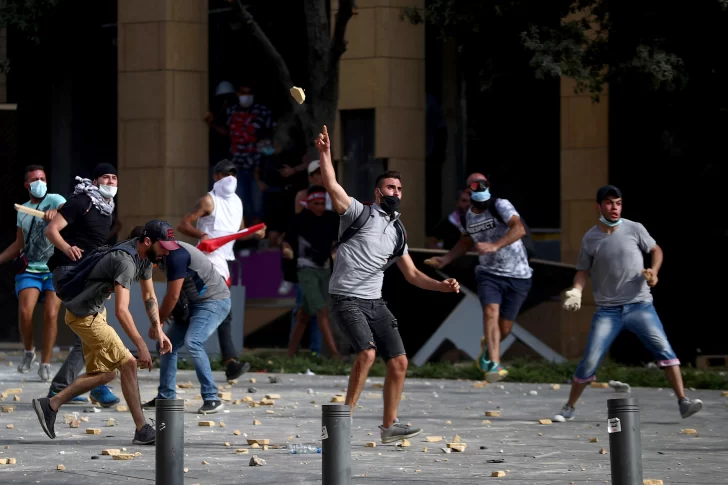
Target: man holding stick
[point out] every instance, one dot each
(370, 240)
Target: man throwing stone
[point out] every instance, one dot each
(612, 254)
(104, 352)
(356, 286)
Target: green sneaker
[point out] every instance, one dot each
(482, 362)
(496, 373)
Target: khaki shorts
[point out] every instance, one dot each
(103, 350)
(315, 288)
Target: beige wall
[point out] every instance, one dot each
(163, 141)
(384, 69)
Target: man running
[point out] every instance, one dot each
(33, 280)
(191, 274)
(103, 350)
(612, 253)
(356, 286)
(82, 225)
(220, 213)
(503, 274)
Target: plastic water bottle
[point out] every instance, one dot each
(303, 449)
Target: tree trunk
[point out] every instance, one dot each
(325, 51)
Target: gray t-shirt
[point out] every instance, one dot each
(361, 261)
(116, 267)
(509, 261)
(201, 280)
(615, 262)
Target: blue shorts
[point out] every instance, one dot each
(40, 281)
(509, 293)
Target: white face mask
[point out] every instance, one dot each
(246, 100)
(38, 189)
(107, 191)
(226, 186)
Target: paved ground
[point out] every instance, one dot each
(531, 453)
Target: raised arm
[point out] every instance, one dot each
(203, 207)
(339, 198)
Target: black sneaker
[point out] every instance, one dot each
(236, 369)
(150, 405)
(46, 415)
(145, 436)
(211, 407)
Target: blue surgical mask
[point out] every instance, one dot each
(268, 151)
(604, 221)
(38, 189)
(480, 196)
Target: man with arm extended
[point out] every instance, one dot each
(82, 225)
(220, 213)
(104, 352)
(356, 287)
(33, 279)
(612, 254)
(503, 274)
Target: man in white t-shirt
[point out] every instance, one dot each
(220, 213)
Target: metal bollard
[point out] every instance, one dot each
(625, 441)
(336, 444)
(170, 457)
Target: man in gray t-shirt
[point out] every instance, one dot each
(612, 253)
(104, 352)
(356, 286)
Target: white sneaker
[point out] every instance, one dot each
(28, 361)
(566, 414)
(44, 372)
(285, 288)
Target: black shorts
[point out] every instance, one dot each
(368, 324)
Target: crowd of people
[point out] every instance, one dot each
(339, 248)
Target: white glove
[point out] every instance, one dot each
(573, 300)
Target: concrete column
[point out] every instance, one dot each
(384, 69)
(163, 143)
(584, 168)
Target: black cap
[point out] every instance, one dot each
(104, 169)
(225, 167)
(603, 192)
(161, 231)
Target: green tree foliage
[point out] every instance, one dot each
(26, 17)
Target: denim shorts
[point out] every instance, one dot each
(368, 324)
(639, 318)
(509, 293)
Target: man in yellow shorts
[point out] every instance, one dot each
(84, 292)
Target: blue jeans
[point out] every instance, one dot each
(205, 317)
(250, 194)
(639, 318)
(315, 333)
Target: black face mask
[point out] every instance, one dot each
(389, 203)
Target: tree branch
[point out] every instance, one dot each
(338, 42)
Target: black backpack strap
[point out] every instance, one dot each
(401, 239)
(494, 211)
(360, 222)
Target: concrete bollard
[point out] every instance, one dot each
(336, 444)
(625, 441)
(170, 446)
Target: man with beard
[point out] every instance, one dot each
(84, 289)
(371, 238)
(612, 254)
(503, 274)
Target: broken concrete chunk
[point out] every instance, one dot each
(338, 398)
(267, 402)
(603, 451)
(492, 414)
(242, 451)
(7, 409)
(480, 384)
(270, 411)
(93, 431)
(185, 385)
(225, 395)
(75, 423)
(123, 456)
(689, 432)
(209, 424)
(236, 432)
(555, 387)
(68, 418)
(111, 422)
(600, 385)
(434, 439)
(545, 421)
(255, 461)
(298, 94)
(60, 468)
(204, 462)
(498, 474)
(259, 441)
(457, 439)
(84, 419)
(485, 421)
(594, 440)
(424, 450)
(110, 452)
(404, 443)
(457, 446)
(255, 445)
(256, 422)
(10, 426)
(14, 390)
(377, 385)
(272, 396)
(371, 444)
(252, 380)
(724, 394)
(651, 481)
(122, 409)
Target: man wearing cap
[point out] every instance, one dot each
(82, 225)
(612, 253)
(503, 274)
(314, 178)
(220, 213)
(189, 271)
(104, 352)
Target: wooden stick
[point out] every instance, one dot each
(29, 211)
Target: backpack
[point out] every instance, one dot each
(71, 284)
(527, 238)
(362, 220)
